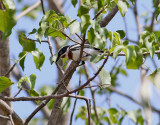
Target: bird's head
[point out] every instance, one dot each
(62, 53)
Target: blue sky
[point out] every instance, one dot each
(48, 75)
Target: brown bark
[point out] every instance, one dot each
(4, 67)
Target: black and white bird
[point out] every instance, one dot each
(73, 51)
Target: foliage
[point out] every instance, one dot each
(113, 43)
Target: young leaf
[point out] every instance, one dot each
(121, 33)
(136, 116)
(54, 33)
(41, 31)
(74, 27)
(7, 22)
(96, 58)
(105, 77)
(133, 57)
(21, 81)
(155, 78)
(38, 58)
(53, 59)
(4, 83)
(74, 2)
(83, 10)
(118, 38)
(9, 4)
(28, 45)
(117, 50)
(85, 23)
(123, 7)
(21, 62)
(32, 79)
(33, 31)
(33, 93)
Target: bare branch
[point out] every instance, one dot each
(69, 37)
(10, 117)
(8, 110)
(130, 98)
(28, 10)
(4, 117)
(79, 36)
(19, 91)
(109, 17)
(92, 94)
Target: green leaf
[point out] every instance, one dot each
(9, 4)
(32, 79)
(28, 45)
(41, 31)
(92, 38)
(74, 2)
(74, 27)
(136, 116)
(38, 58)
(149, 41)
(33, 93)
(21, 81)
(100, 4)
(122, 33)
(113, 115)
(118, 38)
(117, 50)
(54, 33)
(133, 57)
(33, 31)
(85, 22)
(96, 58)
(155, 78)
(123, 7)
(83, 10)
(21, 62)
(4, 83)
(53, 58)
(105, 77)
(7, 22)
(125, 42)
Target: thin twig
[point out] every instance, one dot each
(49, 42)
(28, 10)
(4, 117)
(10, 70)
(89, 111)
(10, 117)
(19, 91)
(45, 41)
(42, 7)
(137, 19)
(130, 98)
(79, 36)
(92, 94)
(69, 37)
(99, 13)
(74, 106)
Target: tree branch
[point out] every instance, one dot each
(8, 110)
(109, 17)
(130, 98)
(28, 10)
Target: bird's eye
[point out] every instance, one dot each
(63, 56)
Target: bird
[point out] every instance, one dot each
(72, 52)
